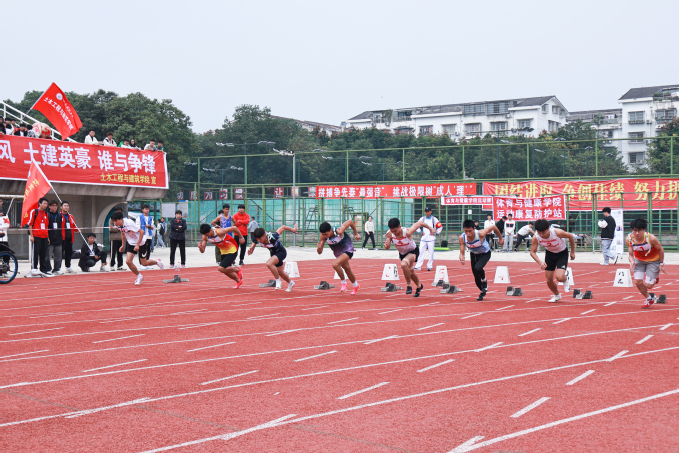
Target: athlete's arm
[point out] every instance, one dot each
(233, 229)
(347, 224)
(492, 229)
(661, 251)
(202, 244)
(462, 247)
(122, 247)
(630, 249)
(141, 239)
(417, 226)
(387, 241)
(534, 255)
(571, 239)
(287, 228)
(319, 246)
(252, 248)
(216, 222)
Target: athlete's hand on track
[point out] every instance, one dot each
(662, 268)
(250, 251)
(462, 259)
(543, 266)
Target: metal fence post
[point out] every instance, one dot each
(527, 160)
(671, 155)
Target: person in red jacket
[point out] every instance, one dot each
(37, 229)
(241, 220)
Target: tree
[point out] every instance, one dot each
(659, 150)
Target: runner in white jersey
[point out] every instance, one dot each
(134, 238)
(479, 251)
(407, 250)
(556, 255)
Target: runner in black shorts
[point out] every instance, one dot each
(408, 251)
(132, 239)
(556, 256)
(343, 249)
(228, 249)
(278, 253)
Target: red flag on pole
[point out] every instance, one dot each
(37, 185)
(54, 105)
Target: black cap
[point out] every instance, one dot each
(427, 209)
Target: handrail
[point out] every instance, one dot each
(22, 117)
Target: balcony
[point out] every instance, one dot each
(637, 121)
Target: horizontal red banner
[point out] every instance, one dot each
(462, 201)
(396, 191)
(549, 208)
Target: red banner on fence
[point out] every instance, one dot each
(462, 201)
(549, 208)
(397, 191)
(77, 163)
(616, 193)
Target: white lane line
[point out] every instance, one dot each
(433, 325)
(208, 347)
(380, 339)
(119, 338)
(199, 325)
(611, 303)
(228, 377)
(390, 311)
(122, 319)
(628, 297)
(251, 303)
(23, 353)
(47, 316)
(588, 311)
(666, 326)
(315, 308)
(581, 377)
(361, 391)
(434, 366)
(262, 316)
(647, 337)
(426, 305)
(563, 320)
(111, 366)
(314, 356)
(99, 409)
(530, 407)
(532, 300)
(344, 320)
(508, 306)
(187, 312)
(471, 316)
(617, 356)
(529, 332)
(35, 331)
(281, 332)
(489, 347)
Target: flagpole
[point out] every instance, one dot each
(38, 100)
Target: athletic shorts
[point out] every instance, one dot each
(649, 268)
(349, 254)
(129, 248)
(227, 260)
(146, 251)
(556, 260)
(282, 254)
(415, 252)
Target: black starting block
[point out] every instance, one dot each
(662, 299)
(511, 291)
(451, 289)
(440, 283)
(575, 293)
(176, 279)
(390, 288)
(581, 295)
(269, 284)
(323, 285)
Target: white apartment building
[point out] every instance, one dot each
(470, 119)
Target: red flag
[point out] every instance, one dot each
(37, 185)
(54, 105)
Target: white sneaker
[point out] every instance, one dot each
(555, 298)
(278, 286)
(567, 285)
(140, 278)
(290, 286)
(47, 274)
(417, 268)
(604, 264)
(160, 264)
(103, 269)
(57, 273)
(70, 271)
(35, 272)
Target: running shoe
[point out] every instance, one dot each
(278, 286)
(120, 269)
(240, 274)
(429, 269)
(140, 278)
(657, 280)
(238, 284)
(481, 296)
(355, 290)
(290, 286)
(343, 287)
(160, 264)
(417, 291)
(650, 301)
(555, 298)
(70, 271)
(183, 266)
(409, 289)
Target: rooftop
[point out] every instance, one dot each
(648, 92)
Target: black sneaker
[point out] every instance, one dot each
(409, 290)
(240, 263)
(481, 296)
(417, 291)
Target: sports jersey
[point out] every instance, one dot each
(644, 251)
(131, 230)
(476, 246)
(225, 222)
(274, 244)
(404, 244)
(226, 245)
(553, 243)
(340, 244)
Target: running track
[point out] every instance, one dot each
(200, 367)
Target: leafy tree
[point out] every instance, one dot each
(659, 149)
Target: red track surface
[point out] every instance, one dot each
(201, 367)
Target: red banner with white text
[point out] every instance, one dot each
(397, 191)
(56, 108)
(615, 193)
(549, 208)
(77, 163)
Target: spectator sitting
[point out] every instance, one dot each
(90, 253)
(159, 147)
(133, 144)
(108, 141)
(22, 131)
(151, 146)
(90, 140)
(125, 144)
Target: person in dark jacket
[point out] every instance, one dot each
(54, 235)
(116, 242)
(178, 238)
(607, 235)
(90, 254)
(500, 224)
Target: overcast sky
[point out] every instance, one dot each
(328, 61)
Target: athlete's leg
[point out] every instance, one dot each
(230, 272)
(343, 264)
(411, 268)
(479, 262)
(406, 265)
(549, 276)
(129, 259)
(560, 275)
(337, 265)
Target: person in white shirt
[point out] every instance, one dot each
(146, 225)
(90, 140)
(524, 232)
(369, 231)
(134, 238)
(108, 141)
(151, 146)
(509, 233)
(490, 236)
(428, 239)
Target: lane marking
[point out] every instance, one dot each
(315, 308)
(433, 325)
(563, 320)
(199, 325)
(23, 353)
(611, 303)
(530, 407)
(187, 312)
(262, 316)
(588, 311)
(314, 356)
(111, 366)
(581, 377)
(529, 332)
(344, 320)
(208, 347)
(281, 332)
(229, 377)
(251, 303)
(99, 409)
(361, 391)
(434, 366)
(617, 356)
(647, 337)
(532, 300)
(666, 326)
(426, 305)
(628, 297)
(380, 339)
(47, 316)
(120, 338)
(508, 306)
(35, 331)
(471, 316)
(489, 347)
(390, 311)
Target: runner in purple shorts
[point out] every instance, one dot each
(341, 245)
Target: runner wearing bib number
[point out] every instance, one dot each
(407, 250)
(479, 251)
(272, 242)
(646, 258)
(341, 245)
(228, 248)
(556, 255)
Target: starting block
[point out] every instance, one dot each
(269, 284)
(440, 283)
(662, 299)
(291, 269)
(577, 294)
(390, 288)
(176, 279)
(441, 276)
(511, 291)
(323, 285)
(390, 272)
(502, 275)
(451, 289)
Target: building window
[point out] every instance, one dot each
(426, 130)
(497, 108)
(553, 126)
(637, 137)
(636, 117)
(449, 129)
(524, 123)
(605, 133)
(498, 126)
(555, 109)
(665, 115)
(636, 158)
(473, 128)
(545, 108)
(475, 109)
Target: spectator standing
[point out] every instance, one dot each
(509, 233)
(369, 232)
(524, 232)
(116, 237)
(241, 220)
(252, 226)
(22, 131)
(108, 141)
(151, 146)
(37, 229)
(12, 125)
(490, 236)
(160, 232)
(476, 225)
(223, 220)
(54, 224)
(500, 224)
(607, 235)
(178, 238)
(68, 230)
(159, 146)
(90, 254)
(90, 140)
(3, 129)
(428, 239)
(133, 144)
(145, 224)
